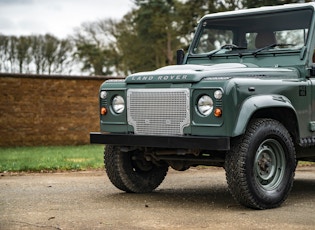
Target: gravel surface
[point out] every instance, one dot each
(194, 199)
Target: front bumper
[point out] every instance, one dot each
(182, 142)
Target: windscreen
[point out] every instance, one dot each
(289, 30)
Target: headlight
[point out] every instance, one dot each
(205, 105)
(118, 104)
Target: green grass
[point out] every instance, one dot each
(57, 158)
(51, 158)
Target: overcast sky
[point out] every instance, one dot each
(58, 17)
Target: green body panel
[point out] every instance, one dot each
(276, 83)
(238, 102)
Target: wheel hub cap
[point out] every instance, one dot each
(269, 164)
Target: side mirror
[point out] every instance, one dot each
(312, 71)
(180, 54)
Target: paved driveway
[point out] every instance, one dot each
(194, 199)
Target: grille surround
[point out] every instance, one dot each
(163, 112)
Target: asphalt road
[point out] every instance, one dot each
(194, 199)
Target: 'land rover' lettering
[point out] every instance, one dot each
(160, 78)
(172, 77)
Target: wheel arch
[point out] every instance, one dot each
(276, 107)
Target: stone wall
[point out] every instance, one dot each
(48, 110)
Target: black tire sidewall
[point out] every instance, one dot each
(270, 130)
(122, 172)
(111, 169)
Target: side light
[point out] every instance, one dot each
(217, 94)
(103, 94)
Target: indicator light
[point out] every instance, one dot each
(217, 112)
(103, 110)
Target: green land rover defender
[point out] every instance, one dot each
(242, 97)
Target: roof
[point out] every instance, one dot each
(292, 6)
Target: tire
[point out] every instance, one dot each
(130, 172)
(261, 164)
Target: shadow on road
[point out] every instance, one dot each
(208, 196)
(305, 187)
(201, 197)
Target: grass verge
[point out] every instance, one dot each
(51, 158)
(57, 158)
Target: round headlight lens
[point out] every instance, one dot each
(205, 105)
(118, 104)
(217, 94)
(103, 94)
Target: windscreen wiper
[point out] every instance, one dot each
(227, 46)
(270, 46)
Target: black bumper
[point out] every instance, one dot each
(183, 142)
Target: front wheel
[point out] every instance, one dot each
(260, 165)
(130, 172)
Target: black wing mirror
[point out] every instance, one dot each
(312, 70)
(180, 54)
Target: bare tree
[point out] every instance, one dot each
(23, 48)
(93, 42)
(4, 52)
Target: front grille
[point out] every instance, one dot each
(158, 111)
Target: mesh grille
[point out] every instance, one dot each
(158, 111)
